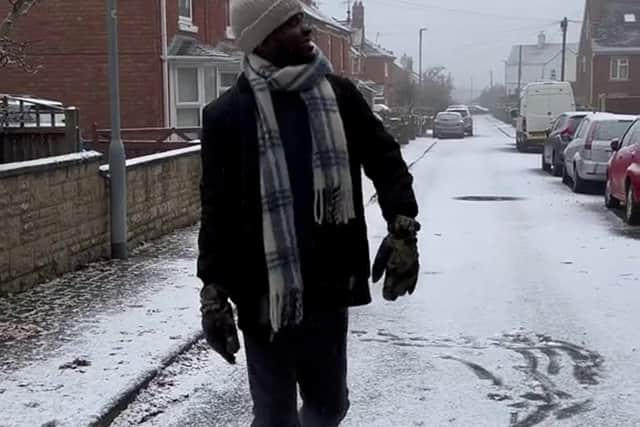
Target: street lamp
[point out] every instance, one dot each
(117, 166)
(423, 29)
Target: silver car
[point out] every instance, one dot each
(448, 123)
(586, 158)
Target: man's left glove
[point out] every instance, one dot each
(218, 323)
(398, 259)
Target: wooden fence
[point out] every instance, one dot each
(145, 141)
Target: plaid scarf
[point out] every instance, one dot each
(333, 191)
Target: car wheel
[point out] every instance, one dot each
(565, 176)
(578, 183)
(545, 166)
(632, 211)
(610, 201)
(557, 166)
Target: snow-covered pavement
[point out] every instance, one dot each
(525, 313)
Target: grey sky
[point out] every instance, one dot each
(469, 37)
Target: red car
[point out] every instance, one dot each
(623, 174)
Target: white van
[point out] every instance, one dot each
(540, 104)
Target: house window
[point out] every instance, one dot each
(188, 97)
(226, 81)
(195, 87)
(355, 65)
(386, 70)
(185, 10)
(185, 16)
(629, 18)
(229, 32)
(619, 68)
(584, 64)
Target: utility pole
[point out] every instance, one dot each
(420, 58)
(471, 99)
(117, 167)
(564, 24)
(519, 70)
(491, 78)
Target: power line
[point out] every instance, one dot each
(409, 3)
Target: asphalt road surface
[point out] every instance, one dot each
(526, 311)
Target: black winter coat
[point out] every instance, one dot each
(231, 242)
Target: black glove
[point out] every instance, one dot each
(398, 259)
(218, 323)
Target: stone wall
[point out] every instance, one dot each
(53, 218)
(54, 212)
(163, 193)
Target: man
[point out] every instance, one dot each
(283, 232)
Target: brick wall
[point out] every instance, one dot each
(54, 213)
(603, 84)
(69, 44)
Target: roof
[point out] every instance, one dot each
(612, 31)
(370, 49)
(182, 46)
(321, 17)
(601, 117)
(536, 55)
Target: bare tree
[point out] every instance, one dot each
(13, 52)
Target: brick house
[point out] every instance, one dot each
(609, 56)
(332, 37)
(371, 63)
(540, 62)
(169, 67)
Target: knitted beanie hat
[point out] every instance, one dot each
(252, 21)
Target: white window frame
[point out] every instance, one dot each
(618, 63)
(202, 100)
(229, 31)
(185, 23)
(189, 105)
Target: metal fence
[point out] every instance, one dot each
(32, 128)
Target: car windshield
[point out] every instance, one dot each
(574, 122)
(609, 130)
(463, 113)
(449, 116)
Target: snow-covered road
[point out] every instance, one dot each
(525, 313)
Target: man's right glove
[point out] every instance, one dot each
(218, 323)
(398, 259)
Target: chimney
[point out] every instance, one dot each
(542, 39)
(358, 15)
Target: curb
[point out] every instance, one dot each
(125, 398)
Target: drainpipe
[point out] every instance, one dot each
(165, 63)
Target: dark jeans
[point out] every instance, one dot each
(314, 356)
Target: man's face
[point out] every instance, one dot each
(292, 40)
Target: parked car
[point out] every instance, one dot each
(540, 104)
(623, 174)
(448, 123)
(466, 116)
(560, 135)
(587, 156)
